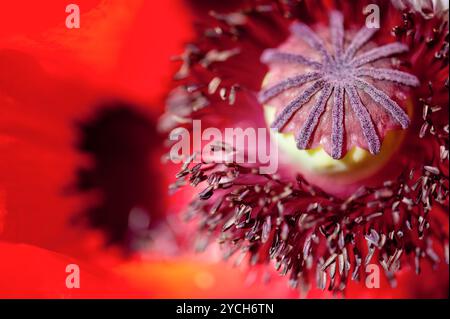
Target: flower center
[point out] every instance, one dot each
(334, 102)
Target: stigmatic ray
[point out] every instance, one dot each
(340, 75)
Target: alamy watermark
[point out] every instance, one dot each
(73, 277)
(372, 13)
(73, 19)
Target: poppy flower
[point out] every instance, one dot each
(81, 181)
(361, 120)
